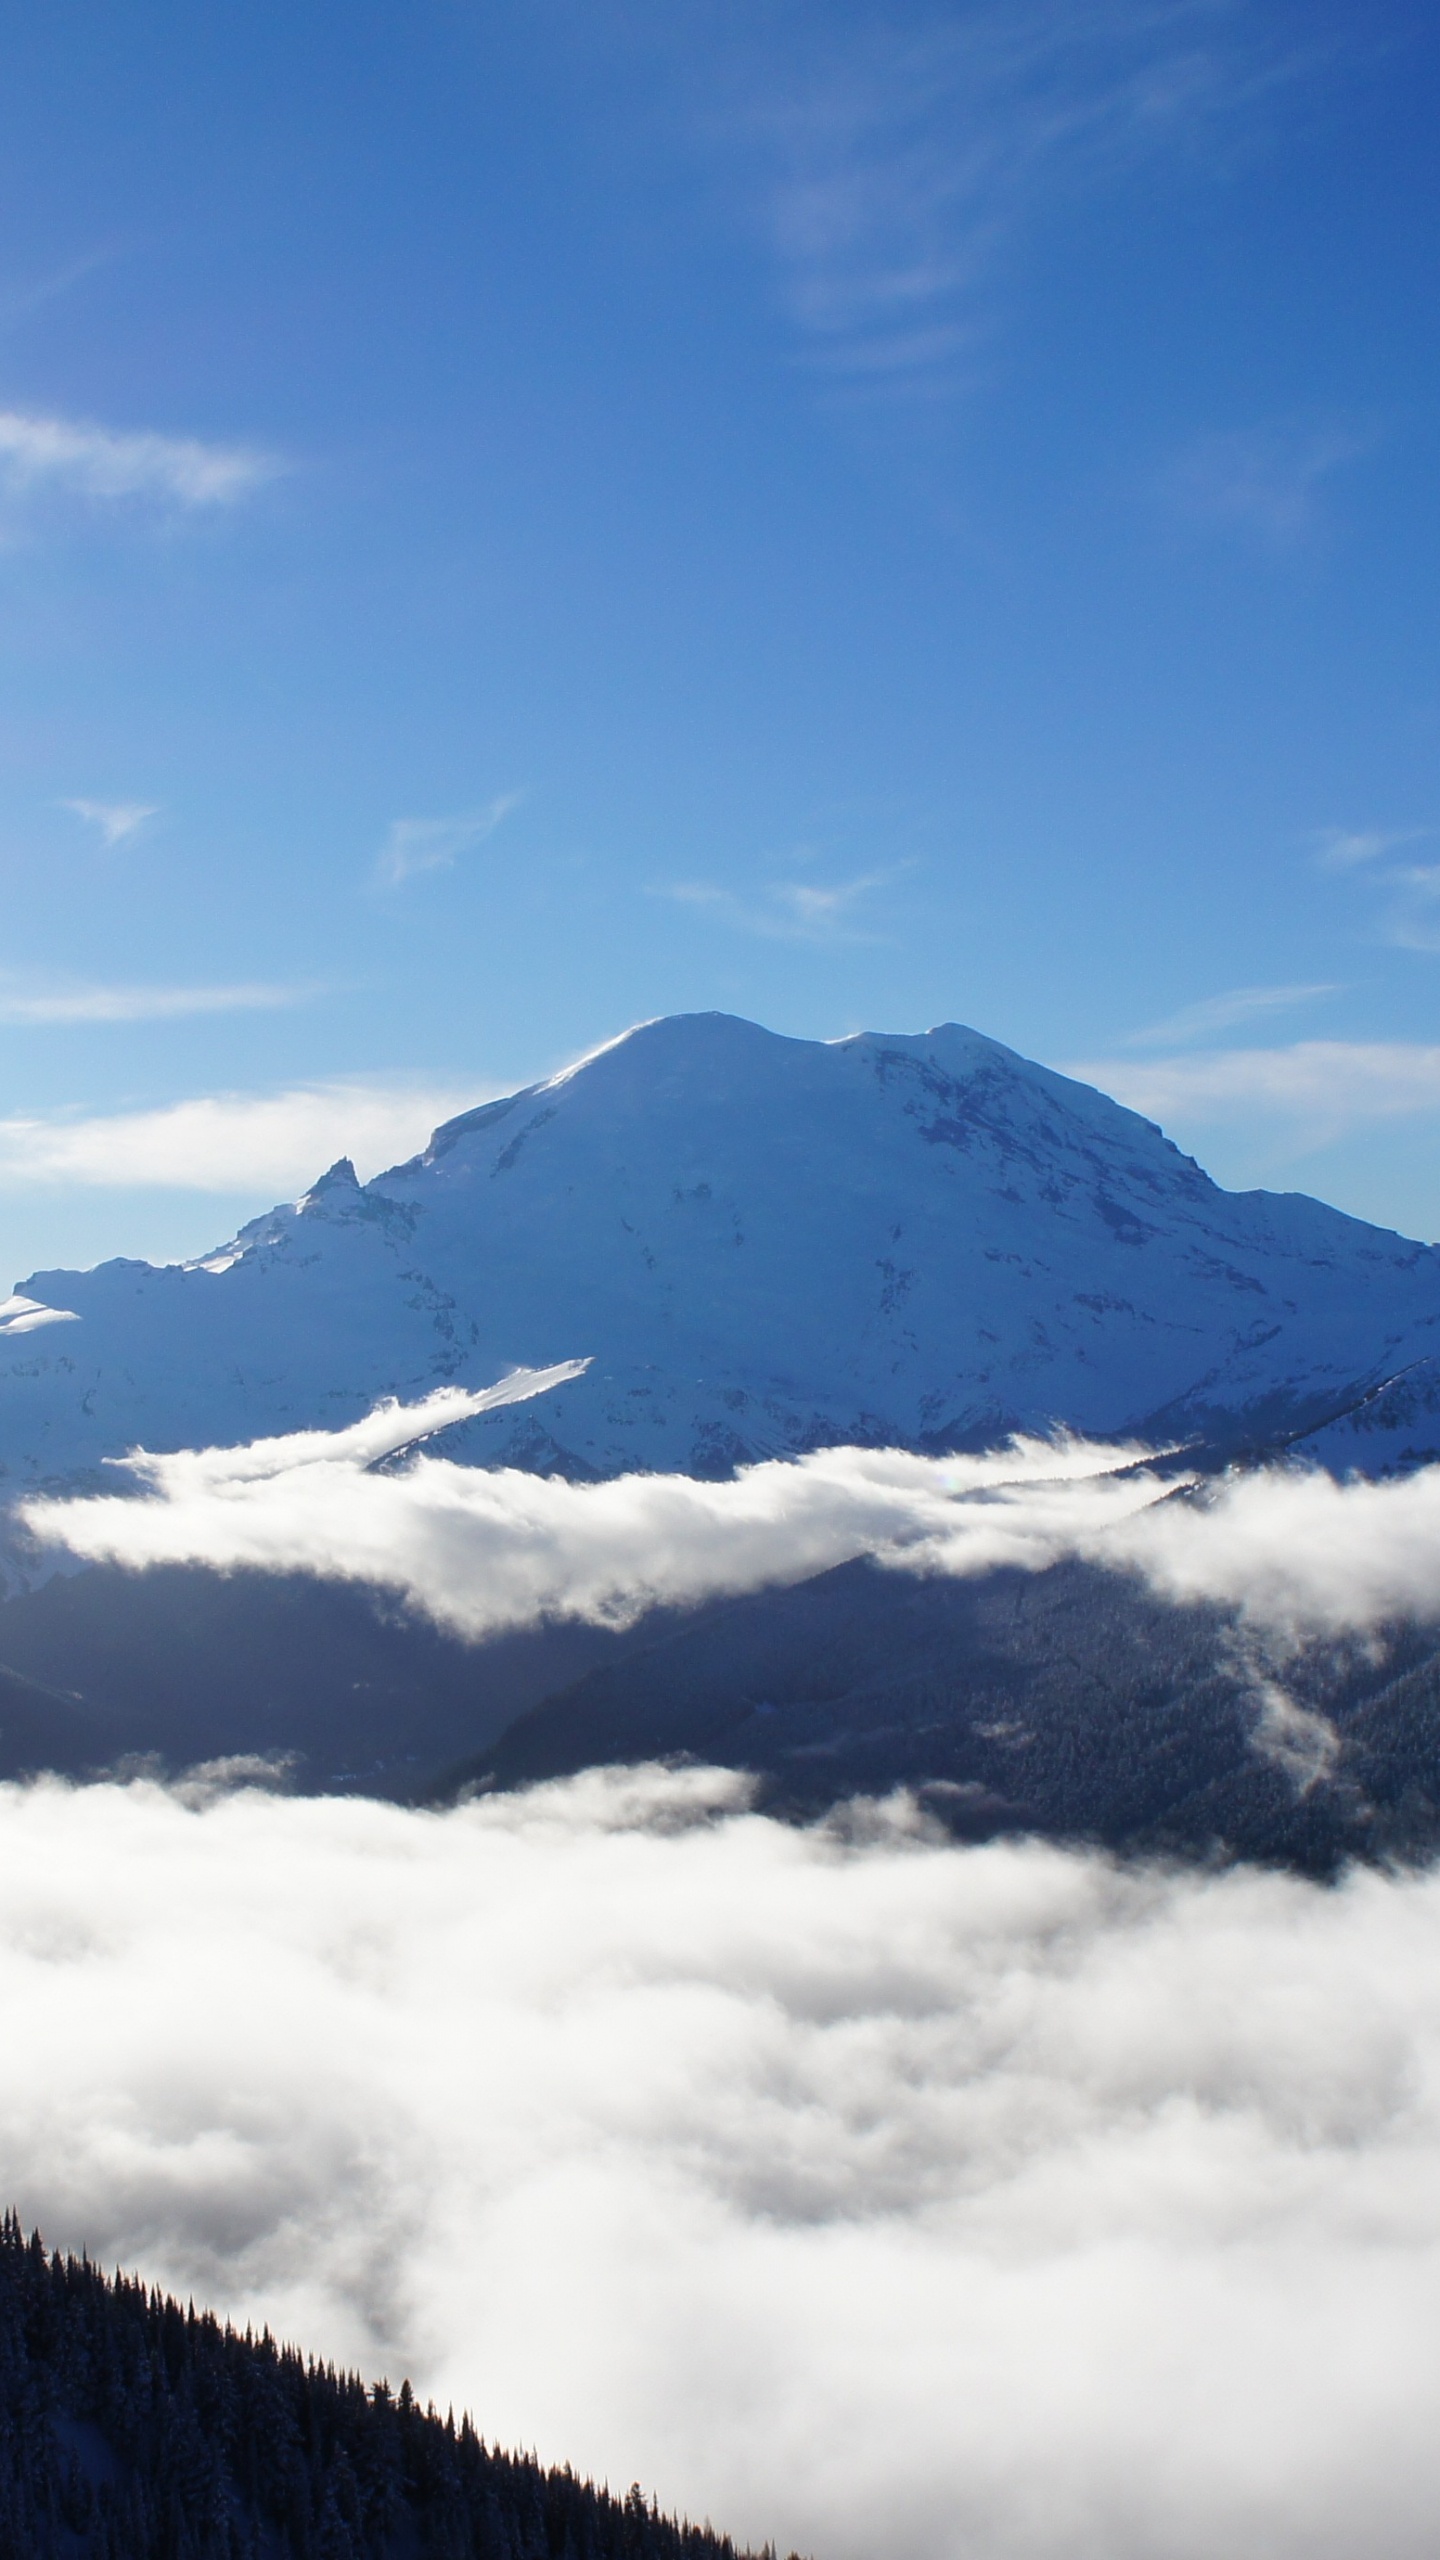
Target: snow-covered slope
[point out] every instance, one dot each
(765, 1244)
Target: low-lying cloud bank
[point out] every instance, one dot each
(1294, 1552)
(875, 2194)
(487, 1548)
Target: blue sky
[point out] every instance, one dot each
(515, 519)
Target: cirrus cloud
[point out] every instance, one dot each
(1223, 1013)
(435, 844)
(897, 162)
(1264, 482)
(19, 1004)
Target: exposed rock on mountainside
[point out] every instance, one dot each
(766, 1244)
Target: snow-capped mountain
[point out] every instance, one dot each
(763, 1244)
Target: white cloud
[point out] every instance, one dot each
(72, 457)
(1327, 1086)
(117, 820)
(1410, 917)
(1412, 920)
(1345, 848)
(433, 844)
(141, 1004)
(880, 2196)
(1222, 1013)
(785, 910)
(485, 1549)
(274, 1144)
(1295, 1553)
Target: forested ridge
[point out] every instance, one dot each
(133, 2429)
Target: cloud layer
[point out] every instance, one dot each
(873, 2194)
(483, 1549)
(1292, 1551)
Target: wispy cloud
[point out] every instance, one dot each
(18, 301)
(1223, 1013)
(1409, 915)
(1327, 1086)
(272, 1144)
(1346, 848)
(75, 458)
(894, 163)
(433, 844)
(785, 910)
(19, 1004)
(1264, 482)
(117, 820)
(1411, 920)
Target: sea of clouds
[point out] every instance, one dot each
(1293, 1551)
(849, 2186)
(854, 2188)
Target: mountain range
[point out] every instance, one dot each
(762, 1245)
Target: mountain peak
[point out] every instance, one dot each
(341, 1176)
(919, 1238)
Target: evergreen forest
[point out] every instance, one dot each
(133, 2429)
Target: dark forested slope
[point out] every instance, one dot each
(1071, 1704)
(131, 2429)
(103, 1666)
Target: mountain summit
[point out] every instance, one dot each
(765, 1244)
